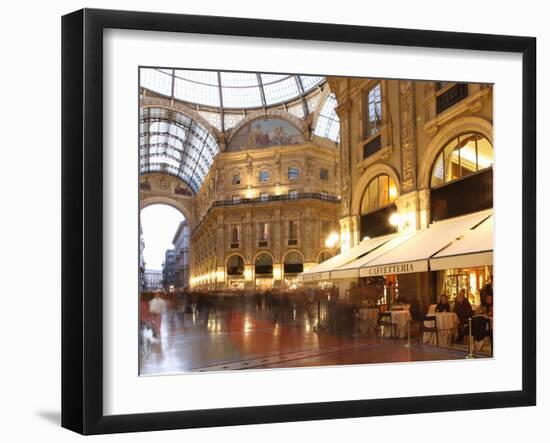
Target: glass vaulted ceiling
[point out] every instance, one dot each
(231, 90)
(176, 144)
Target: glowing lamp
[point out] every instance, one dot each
(332, 240)
(395, 219)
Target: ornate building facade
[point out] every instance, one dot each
(413, 153)
(181, 244)
(263, 181)
(398, 129)
(265, 215)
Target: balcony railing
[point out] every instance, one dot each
(274, 198)
(372, 147)
(268, 199)
(451, 96)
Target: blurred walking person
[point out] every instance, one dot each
(156, 308)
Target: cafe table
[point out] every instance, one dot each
(401, 319)
(447, 328)
(369, 318)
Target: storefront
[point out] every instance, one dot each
(466, 264)
(416, 267)
(472, 280)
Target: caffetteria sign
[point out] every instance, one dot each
(399, 268)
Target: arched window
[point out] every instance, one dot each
(381, 192)
(263, 265)
(235, 265)
(293, 263)
(264, 176)
(462, 156)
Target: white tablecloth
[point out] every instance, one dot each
(369, 319)
(447, 323)
(401, 319)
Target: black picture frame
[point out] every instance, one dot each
(82, 215)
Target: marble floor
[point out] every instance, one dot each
(234, 333)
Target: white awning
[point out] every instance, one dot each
(351, 270)
(322, 270)
(475, 248)
(413, 255)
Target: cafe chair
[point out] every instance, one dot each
(384, 320)
(481, 331)
(423, 328)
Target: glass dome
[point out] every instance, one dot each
(228, 90)
(328, 123)
(175, 144)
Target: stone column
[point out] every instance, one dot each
(277, 246)
(220, 251)
(407, 208)
(248, 241)
(424, 210)
(345, 234)
(343, 111)
(408, 136)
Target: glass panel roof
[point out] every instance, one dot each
(232, 90)
(174, 143)
(328, 123)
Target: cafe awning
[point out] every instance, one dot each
(351, 269)
(413, 255)
(322, 270)
(475, 248)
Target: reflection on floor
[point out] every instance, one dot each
(231, 333)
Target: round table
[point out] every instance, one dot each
(369, 318)
(401, 320)
(447, 324)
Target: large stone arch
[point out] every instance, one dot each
(370, 173)
(184, 206)
(459, 126)
(262, 252)
(234, 254)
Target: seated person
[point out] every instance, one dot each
(486, 307)
(463, 310)
(443, 305)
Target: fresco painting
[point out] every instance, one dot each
(265, 132)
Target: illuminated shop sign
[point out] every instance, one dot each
(401, 268)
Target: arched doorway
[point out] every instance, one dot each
(263, 270)
(293, 264)
(235, 272)
(163, 249)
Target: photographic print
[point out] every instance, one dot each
(290, 220)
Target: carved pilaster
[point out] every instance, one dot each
(408, 136)
(247, 238)
(424, 208)
(345, 234)
(407, 208)
(343, 111)
(276, 234)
